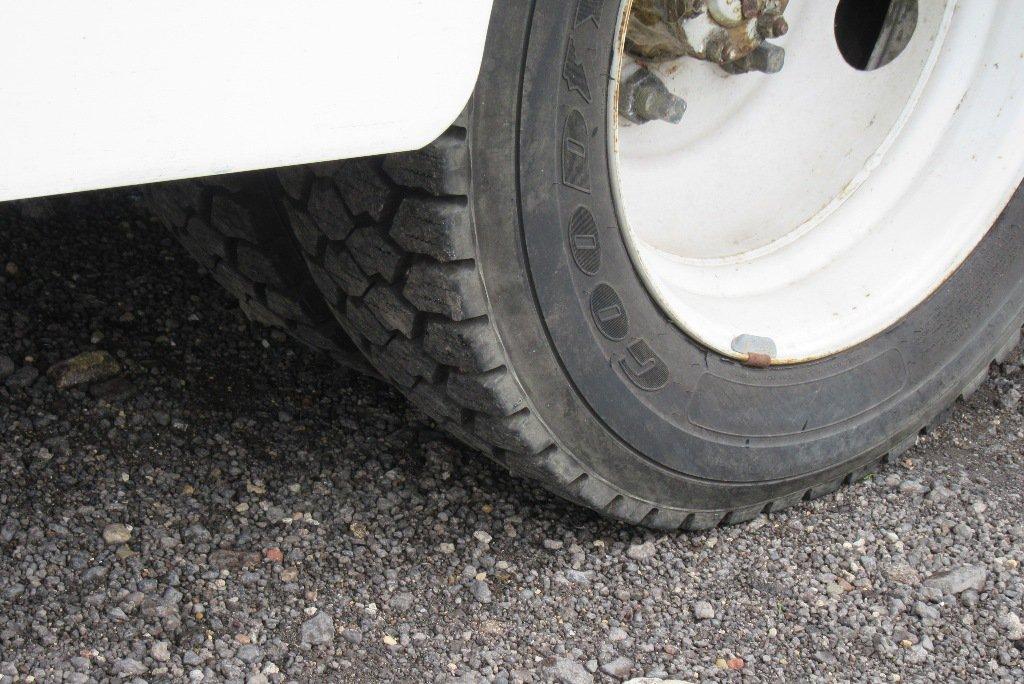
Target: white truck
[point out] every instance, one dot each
(680, 261)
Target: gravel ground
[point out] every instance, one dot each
(210, 502)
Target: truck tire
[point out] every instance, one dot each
(454, 270)
(231, 226)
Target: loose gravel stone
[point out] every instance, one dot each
(481, 592)
(353, 636)
(619, 667)
(702, 610)
(117, 533)
(958, 579)
(1011, 399)
(248, 653)
(1012, 626)
(233, 559)
(402, 601)
(127, 667)
(161, 651)
(641, 552)
(926, 612)
(566, 671)
(84, 368)
(319, 629)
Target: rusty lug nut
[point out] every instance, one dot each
(751, 8)
(720, 50)
(645, 98)
(772, 26)
(766, 58)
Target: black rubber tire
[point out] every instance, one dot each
(452, 269)
(230, 224)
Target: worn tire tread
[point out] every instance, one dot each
(230, 225)
(444, 353)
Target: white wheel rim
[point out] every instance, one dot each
(815, 207)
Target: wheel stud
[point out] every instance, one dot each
(643, 97)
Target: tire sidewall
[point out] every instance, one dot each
(702, 430)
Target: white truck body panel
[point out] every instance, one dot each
(121, 92)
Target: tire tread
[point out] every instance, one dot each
(423, 322)
(229, 224)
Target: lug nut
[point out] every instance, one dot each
(772, 26)
(766, 58)
(751, 8)
(643, 97)
(720, 50)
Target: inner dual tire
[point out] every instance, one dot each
(487, 277)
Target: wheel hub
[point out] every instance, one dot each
(725, 32)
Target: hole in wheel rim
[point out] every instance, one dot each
(872, 33)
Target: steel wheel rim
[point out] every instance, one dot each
(902, 201)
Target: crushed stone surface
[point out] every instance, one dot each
(213, 503)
